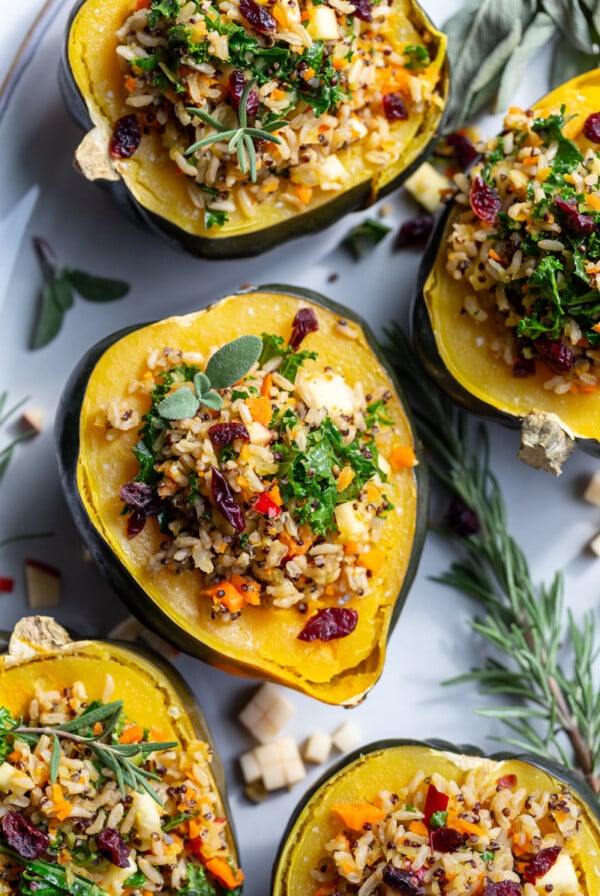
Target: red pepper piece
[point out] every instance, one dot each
(541, 863)
(435, 801)
(507, 781)
(265, 504)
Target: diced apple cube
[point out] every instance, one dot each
(323, 24)
(592, 492)
(427, 185)
(43, 584)
(594, 545)
(352, 527)
(266, 713)
(250, 768)
(346, 737)
(561, 879)
(317, 748)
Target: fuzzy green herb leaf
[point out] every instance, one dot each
(233, 361)
(94, 288)
(362, 238)
(179, 405)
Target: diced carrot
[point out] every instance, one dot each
(277, 94)
(226, 594)
(372, 560)
(493, 254)
(402, 456)
(339, 62)
(308, 73)
(521, 850)
(593, 200)
(303, 193)
(530, 161)
(229, 876)
(130, 84)
(588, 388)
(373, 493)
(260, 409)
(345, 478)
(417, 827)
(159, 734)
(248, 587)
(351, 547)
(573, 389)
(131, 735)
(143, 4)
(515, 110)
(356, 815)
(543, 174)
(275, 495)
(296, 549)
(463, 826)
(194, 828)
(98, 728)
(270, 185)
(596, 328)
(265, 389)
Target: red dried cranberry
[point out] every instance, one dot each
(446, 839)
(484, 201)
(112, 846)
(591, 127)
(574, 221)
(223, 498)
(258, 16)
(507, 781)
(237, 85)
(555, 353)
(414, 234)
(504, 888)
(144, 502)
(23, 836)
(305, 322)
(329, 623)
(394, 108)
(222, 434)
(461, 520)
(362, 10)
(126, 137)
(523, 367)
(541, 863)
(463, 150)
(402, 881)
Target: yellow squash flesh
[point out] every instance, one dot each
(261, 642)
(463, 344)
(390, 767)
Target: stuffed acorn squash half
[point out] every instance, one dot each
(109, 780)
(508, 316)
(230, 127)
(432, 819)
(248, 480)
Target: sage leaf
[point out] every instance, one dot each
(179, 405)
(62, 292)
(212, 400)
(571, 20)
(568, 62)
(93, 288)
(538, 33)
(233, 361)
(201, 384)
(50, 318)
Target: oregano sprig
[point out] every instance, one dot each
(59, 289)
(228, 365)
(241, 139)
(545, 682)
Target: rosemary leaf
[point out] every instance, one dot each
(55, 759)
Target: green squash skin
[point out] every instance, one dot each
(250, 244)
(563, 775)
(117, 574)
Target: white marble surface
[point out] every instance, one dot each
(432, 641)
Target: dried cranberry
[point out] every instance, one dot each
(463, 150)
(541, 863)
(507, 781)
(126, 137)
(461, 520)
(574, 221)
(237, 85)
(591, 127)
(23, 836)
(329, 623)
(414, 234)
(362, 10)
(394, 108)
(446, 839)
(112, 846)
(305, 322)
(222, 434)
(144, 502)
(484, 201)
(258, 16)
(402, 881)
(223, 498)
(523, 367)
(504, 888)
(555, 353)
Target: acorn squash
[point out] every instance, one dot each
(506, 314)
(362, 786)
(44, 667)
(284, 640)
(146, 179)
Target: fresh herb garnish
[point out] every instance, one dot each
(214, 217)
(546, 676)
(228, 365)
(241, 139)
(122, 759)
(291, 360)
(438, 820)
(487, 855)
(364, 237)
(416, 56)
(197, 884)
(40, 878)
(60, 285)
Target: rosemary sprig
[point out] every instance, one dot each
(551, 702)
(121, 759)
(241, 139)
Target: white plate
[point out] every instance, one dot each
(432, 641)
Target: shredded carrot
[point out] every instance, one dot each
(402, 456)
(372, 560)
(345, 478)
(303, 193)
(417, 827)
(493, 254)
(463, 826)
(131, 735)
(356, 815)
(260, 409)
(588, 388)
(223, 871)
(267, 383)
